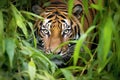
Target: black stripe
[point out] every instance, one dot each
(62, 20)
(41, 23)
(78, 30)
(57, 2)
(49, 21)
(62, 16)
(50, 16)
(56, 12)
(75, 30)
(71, 23)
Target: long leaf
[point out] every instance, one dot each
(79, 45)
(105, 44)
(51, 66)
(32, 70)
(85, 3)
(1, 34)
(29, 13)
(70, 7)
(10, 49)
(19, 20)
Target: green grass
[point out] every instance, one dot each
(21, 60)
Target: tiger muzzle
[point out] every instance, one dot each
(53, 46)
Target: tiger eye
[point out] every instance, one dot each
(45, 31)
(66, 31)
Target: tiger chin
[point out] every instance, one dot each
(58, 27)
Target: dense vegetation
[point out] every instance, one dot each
(21, 60)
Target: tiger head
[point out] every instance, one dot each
(57, 28)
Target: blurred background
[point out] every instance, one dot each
(21, 60)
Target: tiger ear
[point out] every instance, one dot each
(77, 10)
(37, 9)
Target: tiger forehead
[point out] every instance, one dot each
(57, 7)
(56, 22)
(56, 16)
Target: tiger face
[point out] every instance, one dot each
(57, 28)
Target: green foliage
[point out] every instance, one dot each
(70, 7)
(10, 49)
(21, 60)
(104, 44)
(31, 69)
(1, 34)
(79, 44)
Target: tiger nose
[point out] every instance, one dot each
(57, 51)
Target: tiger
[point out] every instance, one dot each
(58, 27)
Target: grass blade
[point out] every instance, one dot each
(10, 49)
(32, 70)
(85, 3)
(19, 20)
(51, 67)
(70, 7)
(79, 45)
(105, 44)
(29, 13)
(1, 34)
